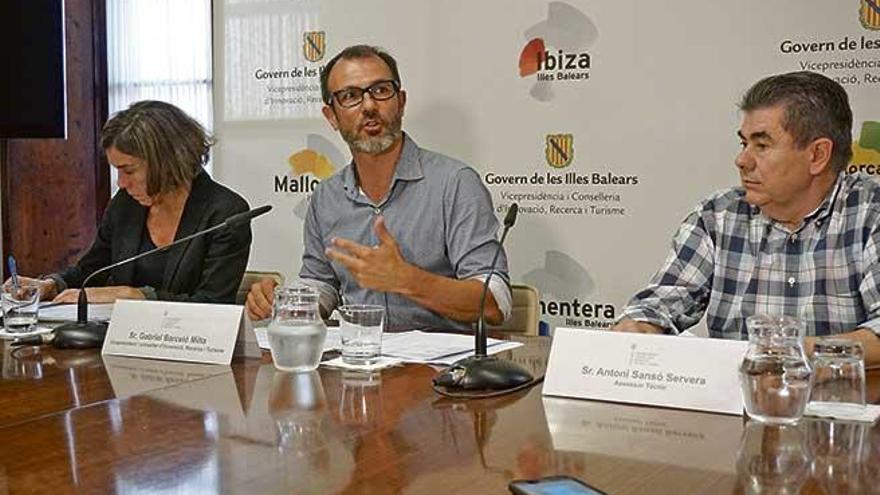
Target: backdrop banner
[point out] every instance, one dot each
(606, 121)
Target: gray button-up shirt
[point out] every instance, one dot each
(437, 210)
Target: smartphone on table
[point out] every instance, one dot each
(553, 485)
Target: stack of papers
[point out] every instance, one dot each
(437, 348)
(67, 312)
(415, 346)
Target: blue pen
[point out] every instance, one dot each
(13, 271)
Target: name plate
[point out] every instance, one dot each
(193, 332)
(659, 370)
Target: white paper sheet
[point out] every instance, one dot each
(415, 346)
(422, 347)
(505, 345)
(67, 312)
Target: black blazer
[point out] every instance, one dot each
(206, 269)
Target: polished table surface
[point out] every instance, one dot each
(74, 422)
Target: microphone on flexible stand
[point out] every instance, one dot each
(481, 371)
(84, 333)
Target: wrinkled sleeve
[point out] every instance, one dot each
(472, 227)
(677, 295)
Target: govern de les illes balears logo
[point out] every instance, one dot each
(869, 14)
(559, 150)
(314, 45)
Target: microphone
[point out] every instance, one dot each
(84, 333)
(246, 216)
(481, 337)
(481, 371)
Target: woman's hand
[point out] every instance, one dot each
(48, 290)
(100, 294)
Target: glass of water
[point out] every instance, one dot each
(360, 329)
(838, 375)
(21, 303)
(296, 332)
(775, 375)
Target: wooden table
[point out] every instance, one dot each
(72, 422)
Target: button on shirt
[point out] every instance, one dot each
(439, 213)
(730, 261)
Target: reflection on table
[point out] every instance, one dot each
(145, 426)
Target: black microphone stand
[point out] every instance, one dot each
(83, 333)
(481, 371)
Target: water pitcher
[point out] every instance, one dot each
(296, 333)
(775, 374)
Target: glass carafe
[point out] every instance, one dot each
(775, 374)
(296, 333)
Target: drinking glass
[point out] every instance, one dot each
(775, 375)
(838, 375)
(361, 331)
(296, 332)
(21, 303)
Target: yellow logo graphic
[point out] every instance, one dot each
(869, 14)
(311, 162)
(559, 150)
(314, 45)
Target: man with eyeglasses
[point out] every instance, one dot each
(400, 226)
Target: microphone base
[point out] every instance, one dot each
(79, 335)
(483, 373)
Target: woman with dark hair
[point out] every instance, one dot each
(164, 194)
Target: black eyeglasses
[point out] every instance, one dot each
(353, 96)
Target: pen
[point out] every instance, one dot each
(13, 271)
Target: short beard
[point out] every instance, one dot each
(374, 144)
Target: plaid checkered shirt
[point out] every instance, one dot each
(731, 261)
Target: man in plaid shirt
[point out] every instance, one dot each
(800, 237)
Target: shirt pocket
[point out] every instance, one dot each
(837, 304)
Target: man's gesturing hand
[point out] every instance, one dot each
(380, 268)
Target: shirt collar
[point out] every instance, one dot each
(825, 208)
(409, 168)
